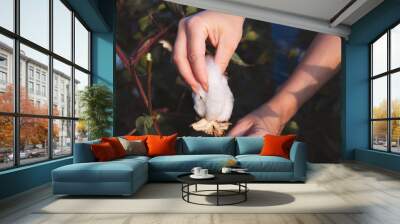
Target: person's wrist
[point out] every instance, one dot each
(284, 105)
(269, 116)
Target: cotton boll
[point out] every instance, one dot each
(215, 105)
(200, 102)
(219, 102)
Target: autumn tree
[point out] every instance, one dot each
(379, 128)
(33, 130)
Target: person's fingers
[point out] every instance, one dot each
(257, 132)
(241, 127)
(225, 50)
(181, 60)
(196, 47)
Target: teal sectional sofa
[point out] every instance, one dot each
(125, 176)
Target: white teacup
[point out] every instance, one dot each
(196, 171)
(226, 170)
(203, 172)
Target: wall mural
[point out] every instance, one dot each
(283, 80)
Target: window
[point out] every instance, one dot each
(6, 74)
(6, 142)
(3, 61)
(3, 78)
(44, 91)
(37, 74)
(3, 72)
(62, 137)
(30, 72)
(7, 14)
(62, 29)
(30, 87)
(35, 21)
(81, 45)
(37, 89)
(47, 76)
(385, 92)
(81, 82)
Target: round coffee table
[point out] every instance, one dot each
(238, 179)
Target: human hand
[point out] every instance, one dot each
(320, 64)
(222, 30)
(262, 121)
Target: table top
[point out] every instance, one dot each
(220, 178)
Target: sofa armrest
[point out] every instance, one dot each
(298, 155)
(83, 152)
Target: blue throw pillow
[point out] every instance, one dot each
(249, 145)
(207, 145)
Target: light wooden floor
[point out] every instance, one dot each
(353, 182)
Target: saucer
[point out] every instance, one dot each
(208, 176)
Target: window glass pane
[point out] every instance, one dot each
(81, 82)
(62, 138)
(379, 56)
(395, 136)
(6, 142)
(6, 74)
(379, 135)
(395, 94)
(33, 140)
(81, 45)
(34, 72)
(7, 14)
(62, 29)
(379, 97)
(35, 21)
(62, 89)
(81, 131)
(395, 47)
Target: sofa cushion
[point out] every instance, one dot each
(207, 145)
(83, 152)
(249, 145)
(161, 145)
(185, 163)
(133, 158)
(113, 171)
(257, 163)
(277, 145)
(116, 145)
(103, 152)
(134, 147)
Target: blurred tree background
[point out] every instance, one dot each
(380, 128)
(34, 131)
(153, 98)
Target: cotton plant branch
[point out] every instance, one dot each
(130, 64)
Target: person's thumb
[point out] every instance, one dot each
(241, 128)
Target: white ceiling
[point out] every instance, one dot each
(324, 16)
(321, 9)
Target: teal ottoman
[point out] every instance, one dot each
(118, 177)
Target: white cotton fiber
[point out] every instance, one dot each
(215, 105)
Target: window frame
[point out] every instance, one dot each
(388, 74)
(16, 114)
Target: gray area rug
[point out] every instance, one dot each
(166, 198)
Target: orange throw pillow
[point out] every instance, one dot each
(116, 145)
(161, 145)
(103, 152)
(277, 145)
(135, 137)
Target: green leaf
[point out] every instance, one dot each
(96, 104)
(237, 60)
(144, 22)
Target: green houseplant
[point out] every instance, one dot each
(96, 104)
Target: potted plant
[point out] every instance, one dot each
(96, 104)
